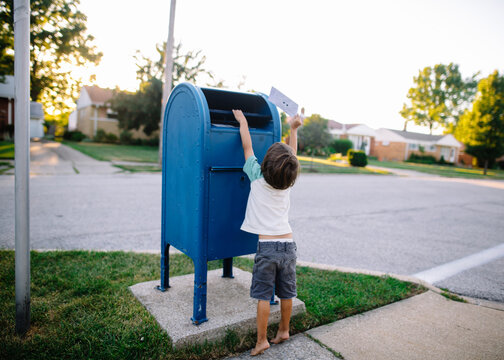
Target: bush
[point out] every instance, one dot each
(501, 164)
(111, 138)
(126, 138)
(104, 137)
(422, 159)
(74, 135)
(100, 136)
(341, 146)
(151, 142)
(357, 158)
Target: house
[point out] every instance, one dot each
(361, 136)
(398, 145)
(7, 95)
(93, 112)
(7, 108)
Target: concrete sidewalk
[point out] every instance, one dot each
(426, 326)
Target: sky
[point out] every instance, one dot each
(349, 61)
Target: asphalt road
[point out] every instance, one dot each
(401, 225)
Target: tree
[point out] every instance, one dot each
(140, 110)
(285, 126)
(439, 97)
(481, 129)
(313, 135)
(58, 42)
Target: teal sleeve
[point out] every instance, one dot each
(252, 168)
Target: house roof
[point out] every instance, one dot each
(98, 95)
(416, 136)
(411, 137)
(334, 125)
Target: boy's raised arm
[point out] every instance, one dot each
(248, 151)
(295, 123)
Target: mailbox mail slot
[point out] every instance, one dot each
(205, 190)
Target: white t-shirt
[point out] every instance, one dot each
(267, 208)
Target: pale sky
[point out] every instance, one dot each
(349, 61)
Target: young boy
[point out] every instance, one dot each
(267, 215)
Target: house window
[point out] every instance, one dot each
(386, 143)
(432, 148)
(412, 146)
(111, 114)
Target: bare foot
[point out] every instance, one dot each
(280, 337)
(259, 348)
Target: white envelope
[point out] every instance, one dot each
(283, 102)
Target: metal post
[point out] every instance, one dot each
(22, 162)
(168, 77)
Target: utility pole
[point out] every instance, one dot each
(168, 77)
(22, 162)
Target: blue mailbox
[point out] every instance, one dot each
(205, 190)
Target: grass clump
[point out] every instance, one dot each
(6, 149)
(81, 306)
(451, 296)
(115, 152)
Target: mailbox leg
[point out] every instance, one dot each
(273, 301)
(227, 268)
(165, 268)
(200, 292)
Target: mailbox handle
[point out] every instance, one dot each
(225, 168)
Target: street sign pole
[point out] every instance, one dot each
(22, 162)
(168, 76)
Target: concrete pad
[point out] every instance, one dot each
(297, 347)
(229, 306)
(427, 326)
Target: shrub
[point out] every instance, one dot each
(100, 135)
(126, 137)
(111, 138)
(151, 142)
(341, 146)
(422, 159)
(501, 164)
(357, 158)
(104, 137)
(74, 135)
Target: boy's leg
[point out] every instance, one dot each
(263, 310)
(283, 329)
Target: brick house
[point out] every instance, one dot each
(398, 145)
(361, 136)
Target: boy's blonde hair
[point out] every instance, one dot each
(280, 166)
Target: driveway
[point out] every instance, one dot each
(402, 225)
(54, 158)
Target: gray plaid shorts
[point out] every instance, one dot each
(274, 268)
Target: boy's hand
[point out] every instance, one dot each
(296, 122)
(238, 114)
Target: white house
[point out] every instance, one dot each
(360, 135)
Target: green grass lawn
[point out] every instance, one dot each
(6, 149)
(81, 306)
(314, 167)
(113, 152)
(442, 170)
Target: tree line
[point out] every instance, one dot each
(470, 109)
